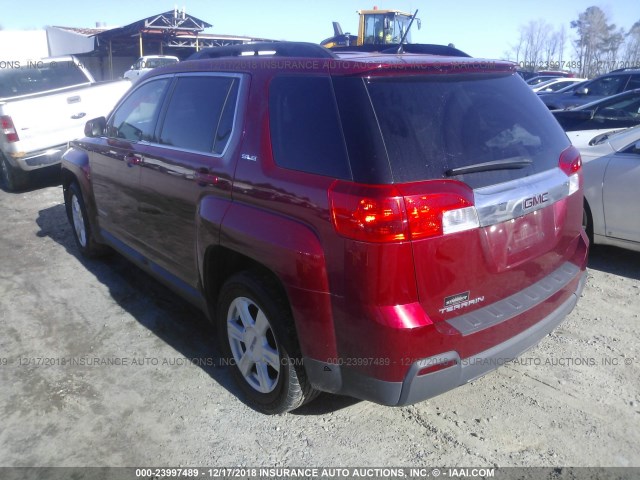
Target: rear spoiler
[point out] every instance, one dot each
(424, 48)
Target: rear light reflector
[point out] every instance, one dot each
(574, 183)
(437, 367)
(571, 163)
(8, 129)
(388, 213)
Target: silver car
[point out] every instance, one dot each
(146, 64)
(611, 168)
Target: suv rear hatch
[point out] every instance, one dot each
(487, 183)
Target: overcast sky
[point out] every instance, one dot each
(481, 28)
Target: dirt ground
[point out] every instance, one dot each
(100, 365)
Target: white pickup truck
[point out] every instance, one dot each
(43, 105)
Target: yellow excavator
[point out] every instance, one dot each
(375, 27)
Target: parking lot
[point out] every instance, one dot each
(100, 365)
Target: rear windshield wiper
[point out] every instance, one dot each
(488, 166)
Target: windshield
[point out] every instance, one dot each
(556, 86)
(386, 28)
(158, 62)
(573, 87)
(544, 84)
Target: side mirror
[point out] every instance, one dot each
(419, 23)
(582, 91)
(95, 127)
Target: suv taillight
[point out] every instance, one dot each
(571, 163)
(392, 213)
(8, 129)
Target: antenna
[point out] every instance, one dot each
(400, 49)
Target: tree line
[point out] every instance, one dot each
(599, 46)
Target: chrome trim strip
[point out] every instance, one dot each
(516, 304)
(506, 201)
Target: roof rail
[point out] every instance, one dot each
(279, 49)
(625, 69)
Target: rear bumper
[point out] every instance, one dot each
(449, 369)
(38, 159)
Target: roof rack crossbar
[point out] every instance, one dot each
(278, 49)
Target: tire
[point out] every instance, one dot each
(587, 222)
(11, 178)
(82, 233)
(258, 339)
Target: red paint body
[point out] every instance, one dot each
(351, 299)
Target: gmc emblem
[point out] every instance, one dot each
(537, 200)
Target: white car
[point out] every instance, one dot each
(611, 169)
(146, 64)
(556, 84)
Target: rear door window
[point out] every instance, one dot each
(434, 124)
(200, 113)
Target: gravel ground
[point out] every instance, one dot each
(574, 400)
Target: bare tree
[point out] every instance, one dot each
(531, 49)
(611, 49)
(561, 36)
(550, 49)
(598, 42)
(539, 47)
(631, 54)
(599, 47)
(515, 50)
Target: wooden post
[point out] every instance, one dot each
(110, 61)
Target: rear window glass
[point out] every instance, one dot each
(37, 77)
(305, 127)
(438, 123)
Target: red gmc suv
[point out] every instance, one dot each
(385, 226)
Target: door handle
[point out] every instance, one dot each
(130, 159)
(204, 177)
